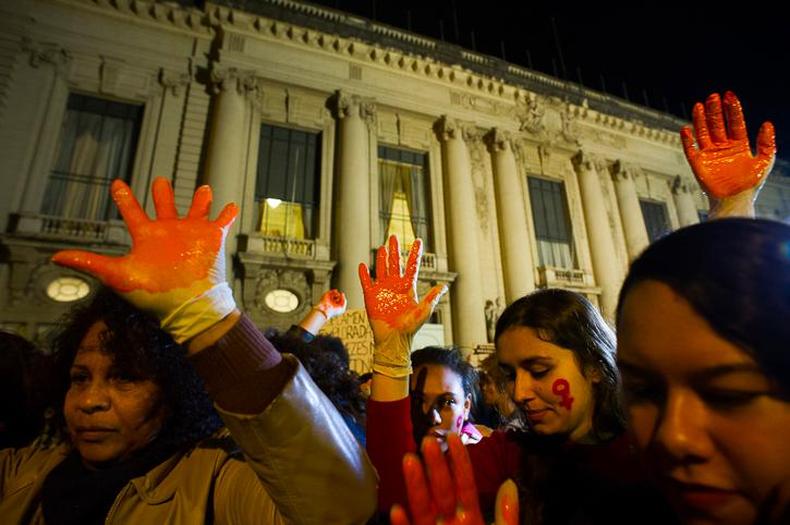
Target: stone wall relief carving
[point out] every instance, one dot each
(492, 309)
(531, 113)
(480, 175)
(481, 104)
(46, 53)
(305, 109)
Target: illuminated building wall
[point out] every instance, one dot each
(329, 131)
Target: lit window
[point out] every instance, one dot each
(288, 182)
(97, 145)
(552, 223)
(403, 196)
(67, 289)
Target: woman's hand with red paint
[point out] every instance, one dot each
(449, 495)
(722, 159)
(176, 267)
(393, 310)
(332, 304)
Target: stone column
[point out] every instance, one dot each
(226, 151)
(352, 203)
(634, 227)
(514, 241)
(599, 233)
(684, 202)
(468, 304)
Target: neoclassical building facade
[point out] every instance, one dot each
(331, 132)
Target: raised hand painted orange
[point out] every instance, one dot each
(332, 304)
(445, 491)
(722, 160)
(392, 299)
(168, 253)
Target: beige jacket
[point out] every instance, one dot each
(300, 464)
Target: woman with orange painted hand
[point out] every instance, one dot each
(136, 416)
(560, 354)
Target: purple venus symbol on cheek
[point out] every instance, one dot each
(562, 388)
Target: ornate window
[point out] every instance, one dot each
(552, 223)
(403, 196)
(655, 215)
(287, 186)
(97, 144)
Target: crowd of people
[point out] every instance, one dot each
(159, 401)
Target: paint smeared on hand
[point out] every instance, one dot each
(722, 159)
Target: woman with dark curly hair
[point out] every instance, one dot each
(142, 442)
(323, 358)
(138, 349)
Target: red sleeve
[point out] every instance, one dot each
(389, 437)
(494, 459)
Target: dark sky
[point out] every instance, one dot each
(676, 54)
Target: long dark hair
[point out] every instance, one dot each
(569, 320)
(138, 347)
(326, 360)
(735, 273)
(450, 357)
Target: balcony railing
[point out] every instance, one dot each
(285, 246)
(550, 276)
(66, 228)
(428, 263)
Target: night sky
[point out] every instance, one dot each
(673, 54)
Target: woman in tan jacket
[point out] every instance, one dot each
(142, 443)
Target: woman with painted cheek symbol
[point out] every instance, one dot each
(559, 353)
(441, 396)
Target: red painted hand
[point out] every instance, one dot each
(723, 162)
(391, 301)
(172, 261)
(332, 304)
(449, 495)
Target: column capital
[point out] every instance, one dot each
(681, 185)
(245, 82)
(499, 139)
(584, 160)
(172, 81)
(452, 128)
(624, 170)
(347, 105)
(51, 54)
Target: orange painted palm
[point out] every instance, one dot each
(722, 159)
(393, 309)
(176, 265)
(391, 300)
(447, 494)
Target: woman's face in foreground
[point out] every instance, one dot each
(440, 405)
(712, 426)
(108, 414)
(549, 386)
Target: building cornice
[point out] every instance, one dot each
(479, 82)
